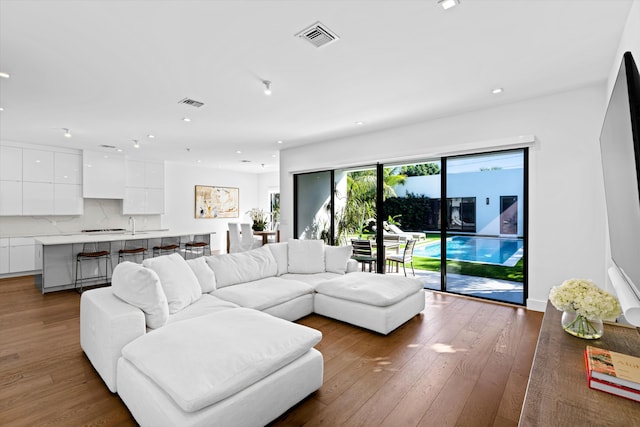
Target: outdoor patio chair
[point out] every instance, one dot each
(394, 229)
(405, 258)
(363, 253)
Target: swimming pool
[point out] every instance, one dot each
(486, 250)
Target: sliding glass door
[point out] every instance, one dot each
(467, 215)
(485, 225)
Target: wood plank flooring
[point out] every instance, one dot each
(461, 362)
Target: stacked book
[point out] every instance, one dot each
(612, 372)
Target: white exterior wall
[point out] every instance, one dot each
(566, 192)
(481, 185)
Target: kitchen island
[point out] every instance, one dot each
(59, 253)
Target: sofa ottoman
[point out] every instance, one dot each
(377, 302)
(237, 367)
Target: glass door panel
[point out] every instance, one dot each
(485, 233)
(313, 205)
(412, 211)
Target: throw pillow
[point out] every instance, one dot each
(205, 275)
(279, 252)
(141, 288)
(306, 256)
(336, 258)
(178, 281)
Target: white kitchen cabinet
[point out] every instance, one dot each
(135, 173)
(145, 188)
(67, 199)
(103, 175)
(10, 198)
(22, 254)
(68, 168)
(135, 201)
(37, 198)
(37, 166)
(10, 163)
(4, 255)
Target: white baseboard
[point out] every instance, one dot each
(536, 305)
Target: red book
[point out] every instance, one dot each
(612, 372)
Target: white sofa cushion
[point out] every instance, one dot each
(305, 256)
(220, 354)
(178, 281)
(311, 279)
(336, 258)
(279, 252)
(373, 289)
(203, 273)
(141, 288)
(242, 267)
(264, 293)
(207, 304)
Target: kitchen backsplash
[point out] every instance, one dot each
(98, 214)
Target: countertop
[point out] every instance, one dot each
(66, 239)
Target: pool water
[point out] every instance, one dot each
(486, 250)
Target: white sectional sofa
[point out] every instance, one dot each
(209, 340)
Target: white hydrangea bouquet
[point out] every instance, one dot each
(585, 305)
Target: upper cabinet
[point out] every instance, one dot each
(37, 166)
(145, 188)
(10, 163)
(68, 168)
(37, 181)
(103, 175)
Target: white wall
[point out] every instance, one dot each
(267, 183)
(180, 182)
(566, 195)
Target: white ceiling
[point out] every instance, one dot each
(114, 71)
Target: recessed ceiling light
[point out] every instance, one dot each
(238, 152)
(186, 119)
(151, 136)
(1, 109)
(359, 123)
(119, 150)
(448, 4)
(279, 142)
(497, 90)
(4, 75)
(267, 87)
(67, 133)
(198, 161)
(274, 155)
(136, 144)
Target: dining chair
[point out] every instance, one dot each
(363, 253)
(248, 240)
(405, 258)
(235, 244)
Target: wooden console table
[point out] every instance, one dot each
(557, 393)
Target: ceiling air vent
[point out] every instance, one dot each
(191, 102)
(318, 35)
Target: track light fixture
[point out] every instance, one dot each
(67, 133)
(267, 87)
(136, 144)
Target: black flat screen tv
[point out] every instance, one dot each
(620, 148)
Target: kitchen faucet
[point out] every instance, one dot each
(132, 225)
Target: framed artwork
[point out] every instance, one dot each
(217, 202)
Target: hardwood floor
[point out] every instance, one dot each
(461, 362)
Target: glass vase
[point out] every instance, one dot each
(581, 327)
